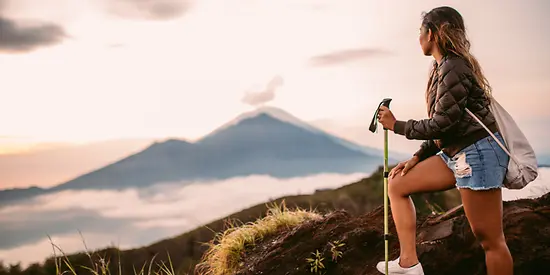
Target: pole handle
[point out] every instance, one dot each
(374, 122)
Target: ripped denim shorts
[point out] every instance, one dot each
(480, 166)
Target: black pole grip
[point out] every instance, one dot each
(373, 124)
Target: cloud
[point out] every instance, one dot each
(148, 9)
(138, 217)
(19, 230)
(19, 38)
(115, 45)
(256, 98)
(346, 56)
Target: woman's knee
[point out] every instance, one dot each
(488, 242)
(396, 187)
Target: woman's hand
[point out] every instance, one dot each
(386, 118)
(403, 167)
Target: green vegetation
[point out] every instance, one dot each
(316, 263)
(334, 250)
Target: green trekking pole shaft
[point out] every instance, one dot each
(372, 128)
(386, 198)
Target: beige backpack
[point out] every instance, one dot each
(523, 166)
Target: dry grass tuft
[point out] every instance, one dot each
(226, 249)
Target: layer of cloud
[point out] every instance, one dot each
(34, 226)
(256, 98)
(535, 189)
(18, 37)
(148, 9)
(137, 217)
(346, 56)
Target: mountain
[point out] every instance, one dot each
(287, 117)
(52, 166)
(267, 141)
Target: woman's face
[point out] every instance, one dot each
(425, 41)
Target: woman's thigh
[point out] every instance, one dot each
(480, 170)
(483, 208)
(429, 175)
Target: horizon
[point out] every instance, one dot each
(274, 112)
(98, 95)
(32, 147)
(159, 85)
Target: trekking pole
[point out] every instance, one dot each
(373, 128)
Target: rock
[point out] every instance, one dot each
(445, 243)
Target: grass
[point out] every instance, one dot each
(226, 250)
(100, 265)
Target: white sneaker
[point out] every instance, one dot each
(394, 268)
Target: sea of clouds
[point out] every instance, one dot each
(137, 217)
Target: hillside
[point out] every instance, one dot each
(267, 142)
(344, 244)
(187, 249)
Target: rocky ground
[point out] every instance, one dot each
(445, 243)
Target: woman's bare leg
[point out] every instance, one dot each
(429, 175)
(484, 212)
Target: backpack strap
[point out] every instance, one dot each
(489, 131)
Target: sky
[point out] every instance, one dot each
(78, 71)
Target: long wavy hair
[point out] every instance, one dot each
(449, 34)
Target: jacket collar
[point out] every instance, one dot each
(443, 59)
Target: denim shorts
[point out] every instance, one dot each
(480, 166)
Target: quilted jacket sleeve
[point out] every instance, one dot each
(451, 95)
(427, 149)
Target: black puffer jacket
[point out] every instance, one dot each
(449, 127)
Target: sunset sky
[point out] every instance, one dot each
(88, 70)
(94, 81)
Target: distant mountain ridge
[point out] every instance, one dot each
(267, 141)
(287, 117)
(544, 160)
(52, 166)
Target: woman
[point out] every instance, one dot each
(457, 151)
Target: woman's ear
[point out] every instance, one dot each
(429, 35)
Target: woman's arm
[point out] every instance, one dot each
(452, 92)
(427, 149)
